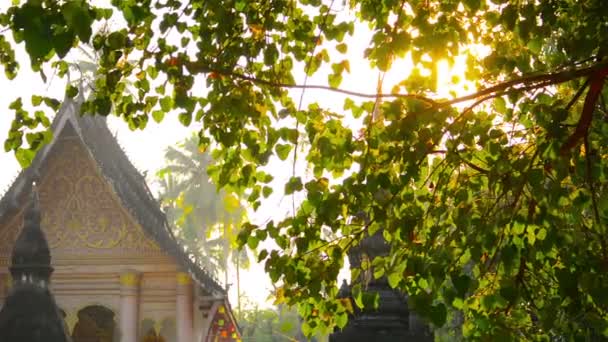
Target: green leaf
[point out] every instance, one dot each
(63, 42)
(36, 100)
(283, 150)
(334, 80)
(341, 320)
(71, 91)
(25, 157)
(542, 234)
(76, 15)
(263, 255)
(472, 5)
(294, 184)
(535, 45)
(252, 242)
(500, 105)
(158, 115)
(438, 314)
(152, 72)
(266, 191)
(117, 40)
(357, 294)
(461, 283)
(102, 105)
(394, 279)
(185, 118)
(166, 103)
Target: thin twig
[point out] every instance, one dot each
(577, 95)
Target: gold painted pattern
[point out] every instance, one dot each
(130, 279)
(183, 278)
(80, 214)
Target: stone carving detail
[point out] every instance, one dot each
(79, 212)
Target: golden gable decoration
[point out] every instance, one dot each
(80, 211)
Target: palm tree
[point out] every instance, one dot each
(207, 220)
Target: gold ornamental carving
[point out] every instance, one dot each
(80, 212)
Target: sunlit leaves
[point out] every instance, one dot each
(487, 220)
(51, 29)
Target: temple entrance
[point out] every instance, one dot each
(95, 324)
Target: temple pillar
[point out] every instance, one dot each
(129, 305)
(183, 308)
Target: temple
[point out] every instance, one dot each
(118, 273)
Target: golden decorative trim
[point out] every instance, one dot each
(71, 318)
(130, 279)
(184, 278)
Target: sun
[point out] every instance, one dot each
(451, 81)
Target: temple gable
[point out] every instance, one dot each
(81, 213)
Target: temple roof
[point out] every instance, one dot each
(123, 178)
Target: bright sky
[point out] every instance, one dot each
(146, 148)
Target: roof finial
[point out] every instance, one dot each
(32, 213)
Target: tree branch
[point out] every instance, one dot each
(596, 83)
(528, 82)
(577, 95)
(532, 82)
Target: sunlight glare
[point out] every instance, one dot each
(451, 81)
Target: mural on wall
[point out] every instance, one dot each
(80, 213)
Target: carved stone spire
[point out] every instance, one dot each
(30, 313)
(391, 321)
(31, 258)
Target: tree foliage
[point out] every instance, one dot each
(494, 204)
(206, 219)
(277, 324)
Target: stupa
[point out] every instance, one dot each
(391, 321)
(30, 313)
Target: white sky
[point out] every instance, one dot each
(146, 148)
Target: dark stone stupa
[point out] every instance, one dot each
(29, 313)
(392, 321)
